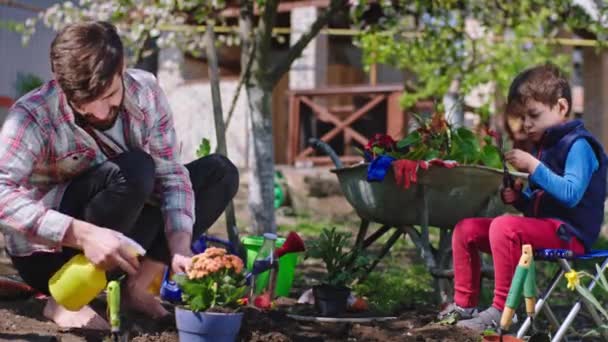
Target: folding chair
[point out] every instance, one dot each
(562, 257)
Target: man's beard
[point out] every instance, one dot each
(103, 125)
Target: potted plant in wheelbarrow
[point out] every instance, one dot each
(212, 293)
(344, 265)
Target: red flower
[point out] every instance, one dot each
(381, 140)
(492, 133)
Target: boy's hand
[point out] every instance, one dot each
(522, 160)
(511, 195)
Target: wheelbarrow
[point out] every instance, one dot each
(440, 198)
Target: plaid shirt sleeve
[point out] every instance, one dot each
(21, 145)
(172, 178)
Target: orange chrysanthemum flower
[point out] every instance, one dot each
(213, 260)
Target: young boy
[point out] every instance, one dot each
(563, 205)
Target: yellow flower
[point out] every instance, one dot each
(573, 279)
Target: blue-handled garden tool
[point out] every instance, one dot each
(169, 290)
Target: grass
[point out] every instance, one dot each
(308, 227)
(396, 287)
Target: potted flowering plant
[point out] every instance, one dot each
(212, 293)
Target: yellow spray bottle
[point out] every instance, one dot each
(78, 282)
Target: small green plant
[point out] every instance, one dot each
(396, 288)
(214, 281)
(26, 82)
(344, 264)
(204, 148)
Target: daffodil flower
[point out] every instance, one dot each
(573, 279)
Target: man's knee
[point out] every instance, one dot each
(231, 175)
(136, 170)
(224, 172)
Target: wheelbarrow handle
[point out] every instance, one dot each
(321, 146)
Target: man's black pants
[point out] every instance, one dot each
(113, 195)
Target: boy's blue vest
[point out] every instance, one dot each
(585, 219)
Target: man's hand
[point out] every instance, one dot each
(105, 248)
(181, 263)
(511, 195)
(181, 251)
(522, 160)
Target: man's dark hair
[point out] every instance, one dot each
(544, 83)
(85, 57)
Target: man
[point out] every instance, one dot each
(91, 157)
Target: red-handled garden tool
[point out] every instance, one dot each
(293, 244)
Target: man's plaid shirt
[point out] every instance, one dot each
(42, 148)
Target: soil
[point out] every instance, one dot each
(21, 320)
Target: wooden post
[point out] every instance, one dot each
(373, 74)
(395, 118)
(294, 128)
(595, 80)
(220, 128)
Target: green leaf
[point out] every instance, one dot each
(204, 148)
(591, 299)
(377, 150)
(411, 139)
(490, 156)
(602, 278)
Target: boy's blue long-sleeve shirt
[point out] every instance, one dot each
(568, 189)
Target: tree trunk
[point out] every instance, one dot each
(261, 184)
(265, 72)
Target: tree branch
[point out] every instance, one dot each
(296, 50)
(242, 80)
(15, 4)
(264, 33)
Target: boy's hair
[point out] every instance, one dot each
(85, 57)
(544, 83)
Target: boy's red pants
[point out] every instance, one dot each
(502, 237)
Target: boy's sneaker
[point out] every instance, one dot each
(454, 313)
(487, 319)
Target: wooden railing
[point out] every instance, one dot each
(341, 117)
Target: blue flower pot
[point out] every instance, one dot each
(207, 326)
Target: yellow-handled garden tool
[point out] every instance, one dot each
(113, 299)
(524, 282)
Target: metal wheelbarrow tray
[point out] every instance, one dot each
(450, 195)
